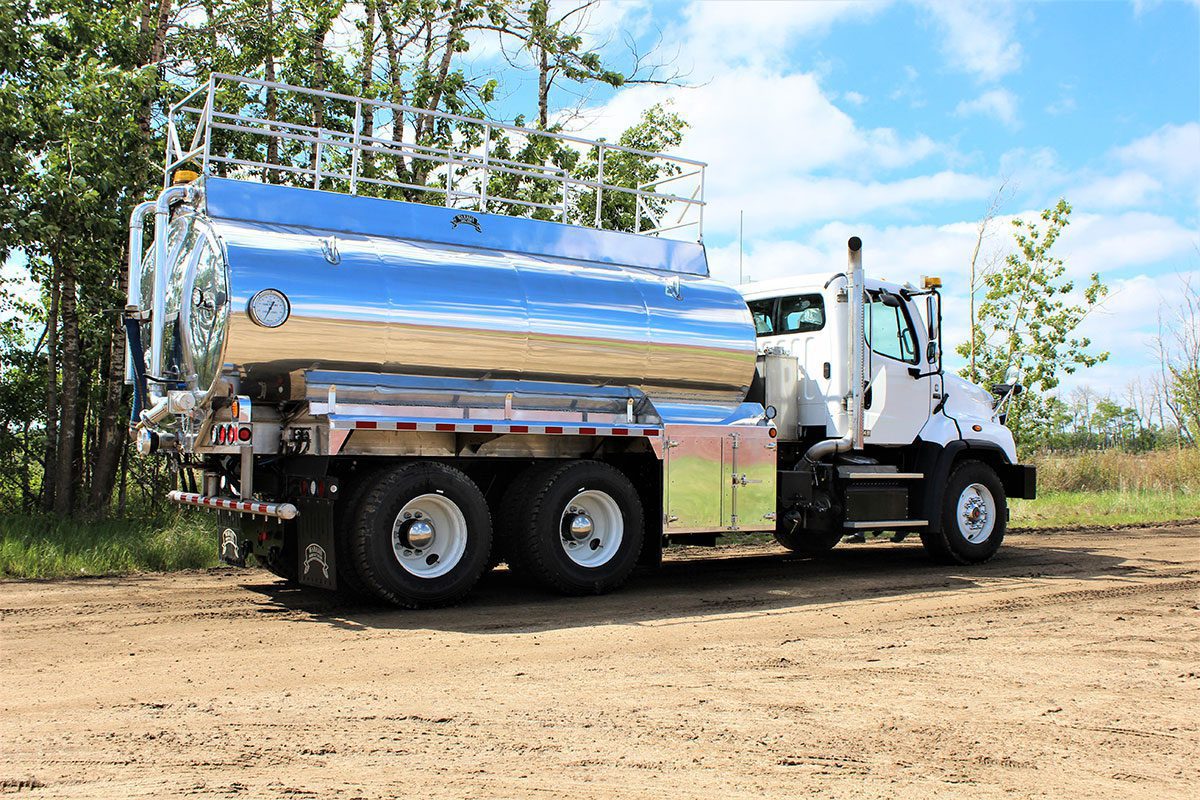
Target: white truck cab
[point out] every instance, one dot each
(913, 449)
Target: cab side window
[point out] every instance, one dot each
(802, 314)
(763, 312)
(890, 332)
(773, 316)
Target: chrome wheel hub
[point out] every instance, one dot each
(429, 535)
(591, 528)
(976, 513)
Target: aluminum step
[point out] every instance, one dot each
(881, 476)
(884, 524)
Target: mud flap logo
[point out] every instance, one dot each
(315, 554)
(229, 546)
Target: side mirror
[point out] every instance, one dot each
(931, 352)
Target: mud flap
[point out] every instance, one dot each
(314, 540)
(232, 547)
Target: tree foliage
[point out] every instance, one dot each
(1029, 315)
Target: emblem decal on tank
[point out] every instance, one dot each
(466, 219)
(315, 554)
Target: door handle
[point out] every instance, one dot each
(742, 480)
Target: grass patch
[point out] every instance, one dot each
(48, 547)
(1054, 509)
(1114, 470)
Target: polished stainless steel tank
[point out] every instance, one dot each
(382, 286)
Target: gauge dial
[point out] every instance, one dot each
(270, 308)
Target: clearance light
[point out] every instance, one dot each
(183, 176)
(931, 282)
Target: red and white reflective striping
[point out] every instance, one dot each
(280, 510)
(492, 427)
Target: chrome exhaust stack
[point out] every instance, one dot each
(855, 286)
(133, 289)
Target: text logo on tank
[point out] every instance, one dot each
(466, 219)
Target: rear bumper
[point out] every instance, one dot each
(282, 511)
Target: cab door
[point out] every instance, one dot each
(898, 393)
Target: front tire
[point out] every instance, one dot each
(974, 517)
(806, 543)
(422, 536)
(575, 528)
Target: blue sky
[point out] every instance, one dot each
(898, 121)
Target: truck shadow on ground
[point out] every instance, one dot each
(710, 586)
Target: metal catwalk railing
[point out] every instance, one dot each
(357, 149)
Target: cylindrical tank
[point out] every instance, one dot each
(380, 304)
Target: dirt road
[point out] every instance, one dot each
(1067, 667)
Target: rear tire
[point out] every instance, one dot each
(576, 528)
(974, 517)
(422, 535)
(349, 585)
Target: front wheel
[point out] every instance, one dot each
(974, 517)
(804, 542)
(575, 528)
(422, 535)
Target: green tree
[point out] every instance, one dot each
(1029, 313)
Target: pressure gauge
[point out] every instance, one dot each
(270, 308)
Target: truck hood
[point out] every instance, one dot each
(966, 399)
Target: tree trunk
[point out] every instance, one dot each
(272, 106)
(111, 432)
(543, 88)
(64, 473)
(158, 44)
(395, 80)
(318, 82)
(366, 77)
(50, 458)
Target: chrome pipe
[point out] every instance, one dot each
(853, 438)
(855, 291)
(158, 309)
(133, 288)
(156, 413)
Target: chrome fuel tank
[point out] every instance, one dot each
(383, 286)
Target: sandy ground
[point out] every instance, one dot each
(1067, 667)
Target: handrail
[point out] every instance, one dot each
(331, 157)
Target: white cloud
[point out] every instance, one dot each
(1171, 153)
(854, 98)
(978, 36)
(1127, 189)
(1000, 104)
(763, 153)
(758, 31)
(1106, 243)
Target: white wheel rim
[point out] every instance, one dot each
(591, 528)
(429, 535)
(976, 513)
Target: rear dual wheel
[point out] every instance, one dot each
(421, 536)
(576, 528)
